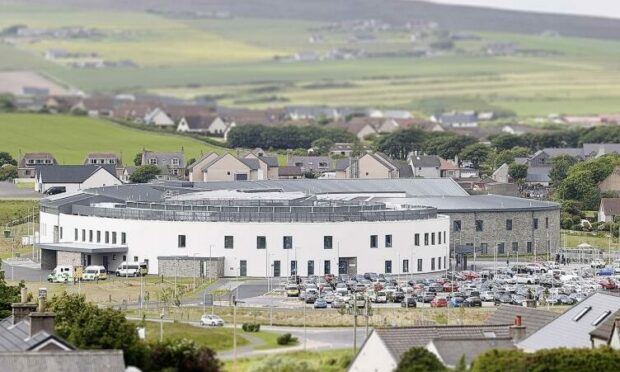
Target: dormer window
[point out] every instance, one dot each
(175, 161)
(153, 161)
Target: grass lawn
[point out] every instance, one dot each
(324, 361)
(218, 339)
(573, 239)
(270, 340)
(11, 210)
(25, 185)
(70, 138)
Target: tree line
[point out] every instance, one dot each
(284, 137)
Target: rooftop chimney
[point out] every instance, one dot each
(41, 320)
(22, 309)
(517, 331)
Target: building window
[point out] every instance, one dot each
(456, 225)
(175, 161)
(405, 266)
(287, 242)
(419, 264)
(388, 241)
(432, 263)
(515, 246)
(90, 236)
(417, 240)
(310, 267)
(229, 242)
(293, 267)
(500, 248)
(439, 237)
(98, 236)
(123, 238)
(113, 237)
(484, 248)
(546, 222)
(135, 258)
(327, 265)
(374, 241)
(153, 161)
(124, 258)
(83, 235)
(432, 238)
(261, 242)
(535, 223)
(181, 240)
(508, 225)
(548, 245)
(425, 238)
(76, 235)
(439, 263)
(388, 267)
(479, 225)
(60, 232)
(444, 237)
(328, 242)
(107, 237)
(529, 247)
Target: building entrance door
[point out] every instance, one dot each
(105, 262)
(243, 268)
(347, 265)
(276, 269)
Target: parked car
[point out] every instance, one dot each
(597, 264)
(54, 190)
(211, 320)
(488, 296)
(608, 284)
(472, 301)
(128, 269)
(409, 302)
(292, 290)
(338, 303)
(456, 301)
(310, 297)
(439, 302)
(426, 297)
(95, 273)
(320, 303)
(378, 297)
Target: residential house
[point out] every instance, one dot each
(227, 167)
(341, 149)
(501, 174)
(449, 168)
(311, 113)
(427, 166)
(212, 125)
(315, 164)
(268, 164)
(607, 333)
(384, 347)
(102, 158)
(379, 165)
(532, 318)
(340, 168)
(28, 163)
(611, 184)
(608, 209)
(574, 327)
(362, 127)
(75, 177)
(595, 150)
(171, 164)
(466, 119)
(290, 172)
(96, 106)
(194, 170)
(158, 118)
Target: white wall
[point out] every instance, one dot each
(99, 179)
(373, 357)
(150, 239)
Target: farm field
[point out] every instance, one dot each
(70, 138)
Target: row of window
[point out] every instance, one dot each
(328, 241)
(95, 236)
(501, 247)
(479, 224)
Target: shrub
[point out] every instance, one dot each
(418, 359)
(250, 327)
(286, 339)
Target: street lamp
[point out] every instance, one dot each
(235, 302)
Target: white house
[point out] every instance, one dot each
(75, 177)
(159, 118)
(609, 209)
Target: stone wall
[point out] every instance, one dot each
(544, 238)
(68, 258)
(191, 267)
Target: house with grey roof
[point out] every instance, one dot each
(449, 351)
(341, 149)
(532, 319)
(227, 167)
(573, 328)
(466, 119)
(425, 165)
(170, 164)
(31, 160)
(384, 347)
(608, 332)
(65, 361)
(379, 165)
(316, 164)
(267, 164)
(290, 172)
(611, 183)
(608, 209)
(75, 177)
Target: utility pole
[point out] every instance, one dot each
(354, 324)
(305, 336)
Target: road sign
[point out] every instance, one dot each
(208, 300)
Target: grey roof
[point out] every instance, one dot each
(290, 171)
(83, 247)
(558, 151)
(538, 174)
(16, 337)
(65, 361)
(410, 186)
(201, 122)
(603, 331)
(310, 162)
(533, 319)
(426, 161)
(251, 163)
(272, 161)
(594, 149)
(163, 158)
(404, 169)
(470, 203)
(400, 340)
(385, 160)
(197, 161)
(341, 146)
(458, 118)
(451, 350)
(611, 206)
(342, 164)
(71, 173)
(566, 332)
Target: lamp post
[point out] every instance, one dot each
(235, 302)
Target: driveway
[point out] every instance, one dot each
(9, 190)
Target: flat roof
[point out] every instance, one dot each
(471, 203)
(83, 247)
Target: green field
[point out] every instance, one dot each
(217, 339)
(70, 138)
(325, 361)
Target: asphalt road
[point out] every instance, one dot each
(8, 190)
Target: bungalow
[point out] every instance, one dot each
(379, 165)
(31, 160)
(609, 209)
(316, 164)
(427, 166)
(341, 149)
(171, 164)
(102, 158)
(212, 125)
(195, 169)
(290, 172)
(158, 118)
(467, 119)
(229, 168)
(75, 177)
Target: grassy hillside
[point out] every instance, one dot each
(70, 138)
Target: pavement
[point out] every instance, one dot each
(23, 268)
(9, 190)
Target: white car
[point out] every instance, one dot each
(597, 264)
(211, 320)
(488, 296)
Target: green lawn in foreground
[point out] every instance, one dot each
(324, 361)
(214, 338)
(70, 138)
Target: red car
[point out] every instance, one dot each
(470, 275)
(439, 302)
(450, 287)
(608, 284)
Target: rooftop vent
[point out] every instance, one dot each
(583, 312)
(601, 317)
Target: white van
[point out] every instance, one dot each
(128, 269)
(61, 274)
(95, 273)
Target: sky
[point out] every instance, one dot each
(604, 8)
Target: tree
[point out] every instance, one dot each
(6, 158)
(7, 103)
(144, 174)
(477, 153)
(518, 172)
(559, 168)
(8, 172)
(447, 145)
(322, 145)
(508, 141)
(8, 295)
(400, 143)
(137, 160)
(418, 359)
(183, 355)
(86, 326)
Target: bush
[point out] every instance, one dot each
(418, 359)
(286, 339)
(250, 327)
